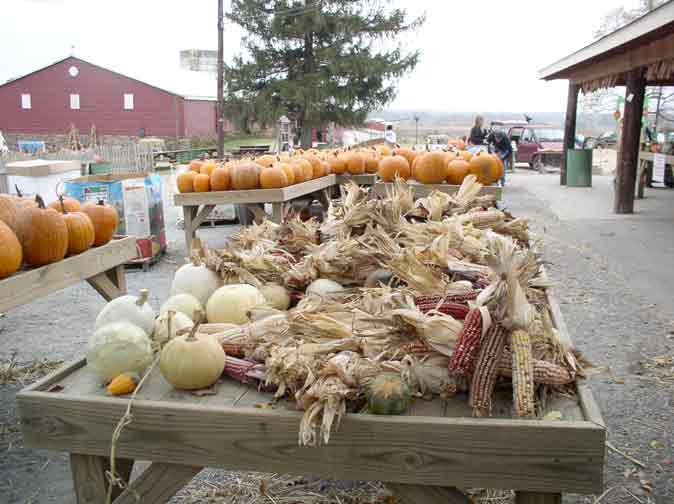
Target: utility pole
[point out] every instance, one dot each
(416, 134)
(221, 83)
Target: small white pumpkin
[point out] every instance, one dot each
(133, 309)
(117, 348)
(192, 361)
(230, 303)
(183, 303)
(276, 295)
(323, 287)
(165, 330)
(196, 279)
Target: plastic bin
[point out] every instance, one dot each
(579, 167)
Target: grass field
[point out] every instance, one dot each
(233, 143)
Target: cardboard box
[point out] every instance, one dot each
(138, 200)
(39, 176)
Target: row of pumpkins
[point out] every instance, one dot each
(127, 330)
(273, 172)
(36, 235)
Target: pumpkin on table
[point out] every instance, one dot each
(246, 176)
(266, 161)
(316, 167)
(11, 255)
(81, 232)
(9, 211)
(207, 168)
(355, 163)
(133, 309)
(431, 168)
(230, 304)
(65, 204)
(185, 181)
(195, 165)
(105, 220)
(388, 394)
(337, 164)
(457, 170)
(202, 183)
(483, 166)
(44, 234)
(273, 178)
(220, 180)
(408, 154)
(168, 325)
(196, 279)
(184, 303)
(306, 169)
(391, 167)
(288, 169)
(117, 348)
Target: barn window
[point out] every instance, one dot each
(128, 101)
(25, 101)
(75, 101)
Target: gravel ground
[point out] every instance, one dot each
(616, 321)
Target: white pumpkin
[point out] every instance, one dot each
(231, 303)
(179, 323)
(133, 309)
(322, 287)
(192, 361)
(276, 295)
(117, 348)
(184, 303)
(196, 279)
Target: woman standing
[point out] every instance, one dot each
(477, 133)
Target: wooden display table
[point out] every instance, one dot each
(197, 206)
(645, 170)
(102, 267)
(367, 179)
(423, 190)
(423, 457)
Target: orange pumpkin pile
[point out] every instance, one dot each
(36, 235)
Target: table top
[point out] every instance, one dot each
(255, 195)
(364, 179)
(29, 284)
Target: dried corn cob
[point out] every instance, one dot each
(454, 298)
(468, 346)
(545, 373)
(416, 347)
(233, 349)
(486, 370)
(523, 374)
(242, 370)
(456, 310)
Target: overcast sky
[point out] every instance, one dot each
(478, 55)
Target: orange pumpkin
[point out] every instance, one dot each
(65, 204)
(185, 181)
(207, 168)
(246, 176)
(383, 150)
(337, 164)
(305, 167)
(457, 169)
(105, 220)
(321, 170)
(467, 156)
(266, 161)
(315, 164)
(195, 165)
(44, 233)
(482, 165)
(273, 178)
(202, 183)
(220, 180)
(431, 168)
(371, 161)
(9, 211)
(11, 254)
(81, 232)
(355, 163)
(288, 169)
(392, 166)
(408, 154)
(498, 167)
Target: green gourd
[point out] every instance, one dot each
(388, 394)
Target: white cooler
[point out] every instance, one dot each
(40, 176)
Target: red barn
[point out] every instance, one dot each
(74, 91)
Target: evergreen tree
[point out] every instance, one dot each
(317, 61)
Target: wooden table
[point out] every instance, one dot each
(645, 170)
(423, 190)
(366, 179)
(423, 457)
(102, 267)
(197, 206)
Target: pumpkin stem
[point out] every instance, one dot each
(199, 316)
(142, 297)
(40, 202)
(101, 202)
(18, 191)
(169, 323)
(63, 207)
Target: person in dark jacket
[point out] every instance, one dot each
(502, 148)
(477, 132)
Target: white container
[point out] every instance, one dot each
(40, 176)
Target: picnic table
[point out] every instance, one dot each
(424, 457)
(197, 206)
(102, 267)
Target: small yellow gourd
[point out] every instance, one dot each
(122, 384)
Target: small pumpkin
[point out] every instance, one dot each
(230, 304)
(105, 220)
(323, 287)
(207, 168)
(431, 168)
(355, 163)
(11, 255)
(408, 154)
(9, 211)
(123, 384)
(391, 167)
(482, 166)
(457, 170)
(184, 303)
(202, 183)
(388, 394)
(117, 348)
(276, 295)
(44, 235)
(337, 164)
(316, 167)
(185, 181)
(372, 160)
(466, 155)
(196, 279)
(306, 168)
(133, 309)
(246, 176)
(266, 161)
(65, 204)
(81, 232)
(195, 165)
(290, 173)
(220, 180)
(383, 150)
(273, 178)
(170, 324)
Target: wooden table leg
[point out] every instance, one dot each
(157, 484)
(110, 284)
(418, 494)
(537, 498)
(189, 212)
(89, 479)
(277, 212)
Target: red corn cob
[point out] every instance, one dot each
(456, 298)
(239, 369)
(233, 349)
(465, 353)
(486, 370)
(456, 310)
(416, 347)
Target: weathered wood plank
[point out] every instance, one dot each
(68, 369)
(417, 494)
(28, 285)
(89, 480)
(537, 498)
(104, 286)
(367, 179)
(423, 190)
(536, 455)
(157, 484)
(254, 195)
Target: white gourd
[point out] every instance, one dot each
(117, 348)
(179, 323)
(192, 361)
(323, 287)
(276, 295)
(184, 303)
(134, 309)
(231, 303)
(196, 279)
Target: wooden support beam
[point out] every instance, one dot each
(569, 127)
(89, 478)
(537, 498)
(157, 484)
(418, 494)
(626, 170)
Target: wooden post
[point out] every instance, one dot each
(626, 170)
(569, 127)
(221, 83)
